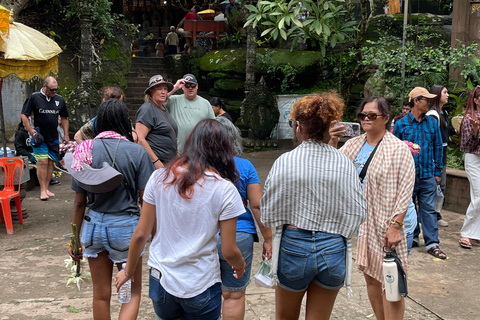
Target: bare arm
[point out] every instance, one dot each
(230, 251)
(64, 122)
(79, 205)
(254, 194)
(142, 132)
(178, 85)
(138, 241)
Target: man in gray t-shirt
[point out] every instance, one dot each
(187, 109)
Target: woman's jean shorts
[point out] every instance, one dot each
(229, 282)
(311, 256)
(108, 232)
(206, 306)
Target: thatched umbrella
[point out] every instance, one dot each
(25, 52)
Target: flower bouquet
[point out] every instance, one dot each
(414, 148)
(75, 266)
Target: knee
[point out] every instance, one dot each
(42, 163)
(233, 295)
(371, 281)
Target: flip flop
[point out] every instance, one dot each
(54, 182)
(465, 244)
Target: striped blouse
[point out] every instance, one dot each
(388, 188)
(313, 187)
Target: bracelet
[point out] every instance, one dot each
(242, 268)
(395, 221)
(126, 274)
(156, 161)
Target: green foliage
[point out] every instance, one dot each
(103, 22)
(425, 64)
(319, 23)
(285, 73)
(455, 158)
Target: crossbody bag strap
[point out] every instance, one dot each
(113, 165)
(365, 166)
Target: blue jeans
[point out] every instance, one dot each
(311, 257)
(425, 191)
(205, 306)
(229, 282)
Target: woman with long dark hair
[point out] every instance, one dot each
(437, 111)
(248, 185)
(112, 216)
(185, 204)
(471, 146)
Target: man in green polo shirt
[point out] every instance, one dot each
(188, 108)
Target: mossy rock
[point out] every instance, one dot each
(233, 60)
(229, 84)
(212, 76)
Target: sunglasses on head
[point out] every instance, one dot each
(157, 79)
(190, 85)
(371, 116)
(53, 90)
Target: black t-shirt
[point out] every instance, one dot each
(228, 116)
(45, 113)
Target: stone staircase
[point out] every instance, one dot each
(140, 73)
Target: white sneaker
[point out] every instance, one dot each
(442, 223)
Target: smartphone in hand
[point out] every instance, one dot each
(352, 128)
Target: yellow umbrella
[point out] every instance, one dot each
(25, 52)
(208, 14)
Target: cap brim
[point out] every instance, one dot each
(430, 95)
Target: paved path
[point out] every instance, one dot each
(33, 275)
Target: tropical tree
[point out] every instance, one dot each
(319, 23)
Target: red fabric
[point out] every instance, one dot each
(191, 16)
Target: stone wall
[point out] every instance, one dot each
(457, 197)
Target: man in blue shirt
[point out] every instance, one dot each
(423, 130)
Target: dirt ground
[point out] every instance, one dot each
(34, 276)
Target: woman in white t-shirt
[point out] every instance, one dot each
(184, 206)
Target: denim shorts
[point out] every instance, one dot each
(108, 232)
(229, 282)
(206, 306)
(311, 256)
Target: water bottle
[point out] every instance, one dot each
(125, 292)
(390, 277)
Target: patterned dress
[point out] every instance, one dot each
(388, 188)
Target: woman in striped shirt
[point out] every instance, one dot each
(314, 199)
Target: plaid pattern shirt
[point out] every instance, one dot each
(470, 142)
(388, 188)
(426, 134)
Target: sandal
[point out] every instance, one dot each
(465, 243)
(437, 253)
(55, 182)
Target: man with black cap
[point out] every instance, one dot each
(187, 109)
(423, 130)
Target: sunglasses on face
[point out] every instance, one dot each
(53, 90)
(290, 122)
(190, 85)
(371, 116)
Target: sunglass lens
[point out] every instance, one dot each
(290, 123)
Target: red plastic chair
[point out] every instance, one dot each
(10, 165)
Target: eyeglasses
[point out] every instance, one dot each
(53, 90)
(290, 122)
(190, 85)
(371, 116)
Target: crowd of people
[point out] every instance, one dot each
(186, 187)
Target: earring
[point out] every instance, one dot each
(297, 128)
